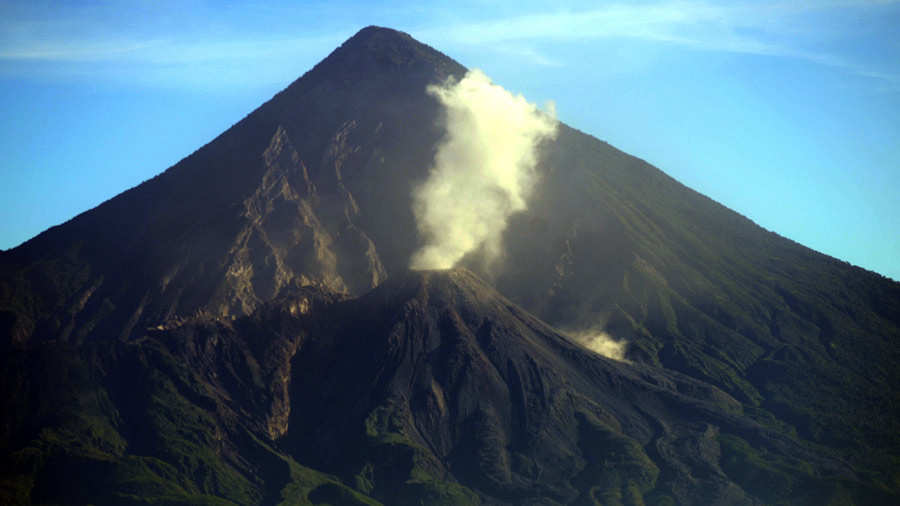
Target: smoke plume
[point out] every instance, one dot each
(483, 172)
(600, 342)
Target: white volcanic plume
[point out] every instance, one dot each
(602, 343)
(483, 172)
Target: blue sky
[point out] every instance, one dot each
(786, 111)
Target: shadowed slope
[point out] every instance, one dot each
(611, 242)
(435, 377)
(306, 190)
(432, 387)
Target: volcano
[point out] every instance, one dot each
(244, 329)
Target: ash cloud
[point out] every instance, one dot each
(483, 172)
(601, 343)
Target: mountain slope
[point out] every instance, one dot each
(611, 242)
(297, 193)
(432, 388)
(310, 194)
(450, 379)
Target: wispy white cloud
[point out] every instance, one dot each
(165, 52)
(778, 29)
(169, 62)
(75, 52)
(528, 54)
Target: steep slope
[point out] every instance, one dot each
(185, 414)
(451, 381)
(611, 242)
(431, 388)
(306, 190)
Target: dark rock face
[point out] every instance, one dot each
(432, 387)
(243, 329)
(453, 382)
(311, 189)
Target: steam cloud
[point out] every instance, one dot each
(483, 171)
(602, 343)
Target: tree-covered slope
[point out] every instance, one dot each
(432, 387)
(612, 243)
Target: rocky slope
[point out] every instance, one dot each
(312, 188)
(433, 387)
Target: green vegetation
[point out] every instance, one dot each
(779, 480)
(308, 487)
(618, 471)
(401, 469)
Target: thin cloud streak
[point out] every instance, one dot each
(695, 25)
(766, 29)
(76, 52)
(166, 52)
(161, 63)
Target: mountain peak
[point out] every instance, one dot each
(385, 41)
(457, 276)
(373, 34)
(440, 288)
(375, 50)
